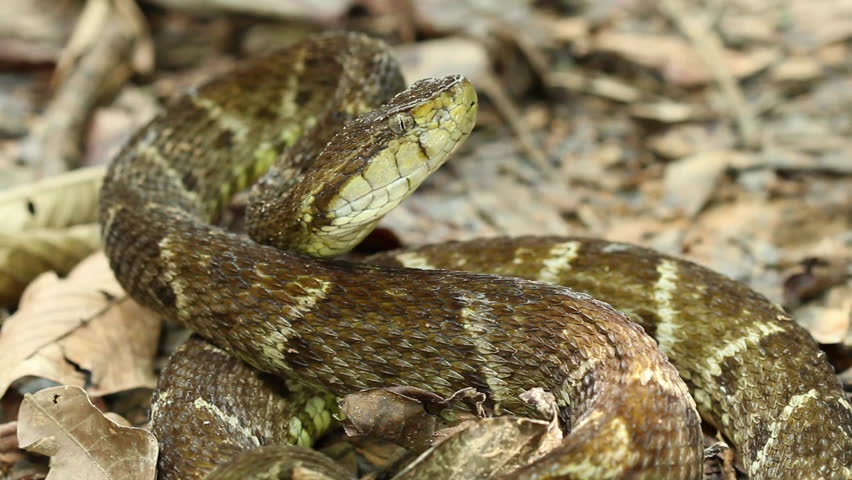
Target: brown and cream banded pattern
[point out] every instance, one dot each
(339, 327)
(754, 373)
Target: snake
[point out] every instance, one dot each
(634, 345)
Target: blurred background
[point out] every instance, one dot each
(720, 131)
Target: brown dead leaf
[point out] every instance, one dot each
(9, 452)
(827, 325)
(675, 58)
(34, 31)
(829, 318)
(389, 415)
(445, 56)
(799, 70)
(816, 276)
(34, 237)
(320, 11)
(476, 18)
(487, 447)
(814, 23)
(56, 202)
(62, 423)
(666, 111)
(404, 415)
(738, 28)
(685, 140)
(689, 182)
(81, 330)
(594, 84)
(24, 255)
(297, 463)
(112, 125)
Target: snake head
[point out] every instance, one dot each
(377, 160)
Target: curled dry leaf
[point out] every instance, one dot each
(487, 447)
(816, 276)
(389, 415)
(404, 415)
(56, 202)
(24, 255)
(62, 423)
(545, 404)
(81, 330)
(542, 402)
(34, 233)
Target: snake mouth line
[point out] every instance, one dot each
(415, 140)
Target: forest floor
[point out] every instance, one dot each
(722, 135)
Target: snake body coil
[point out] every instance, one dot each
(344, 327)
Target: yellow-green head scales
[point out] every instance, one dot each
(353, 184)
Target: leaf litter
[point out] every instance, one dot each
(717, 134)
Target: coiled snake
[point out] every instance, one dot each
(343, 327)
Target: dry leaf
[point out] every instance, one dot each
(9, 452)
(403, 415)
(690, 182)
(738, 28)
(689, 139)
(816, 276)
(666, 111)
(296, 463)
(318, 10)
(487, 447)
(445, 56)
(81, 330)
(24, 255)
(797, 70)
(676, 59)
(595, 84)
(62, 423)
(829, 319)
(827, 325)
(34, 31)
(476, 18)
(389, 415)
(56, 202)
(814, 23)
(545, 404)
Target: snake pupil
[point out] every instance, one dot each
(400, 123)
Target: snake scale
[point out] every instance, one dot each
(326, 112)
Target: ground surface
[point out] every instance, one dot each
(718, 134)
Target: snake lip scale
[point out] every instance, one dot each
(337, 147)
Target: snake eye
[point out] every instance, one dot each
(400, 123)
